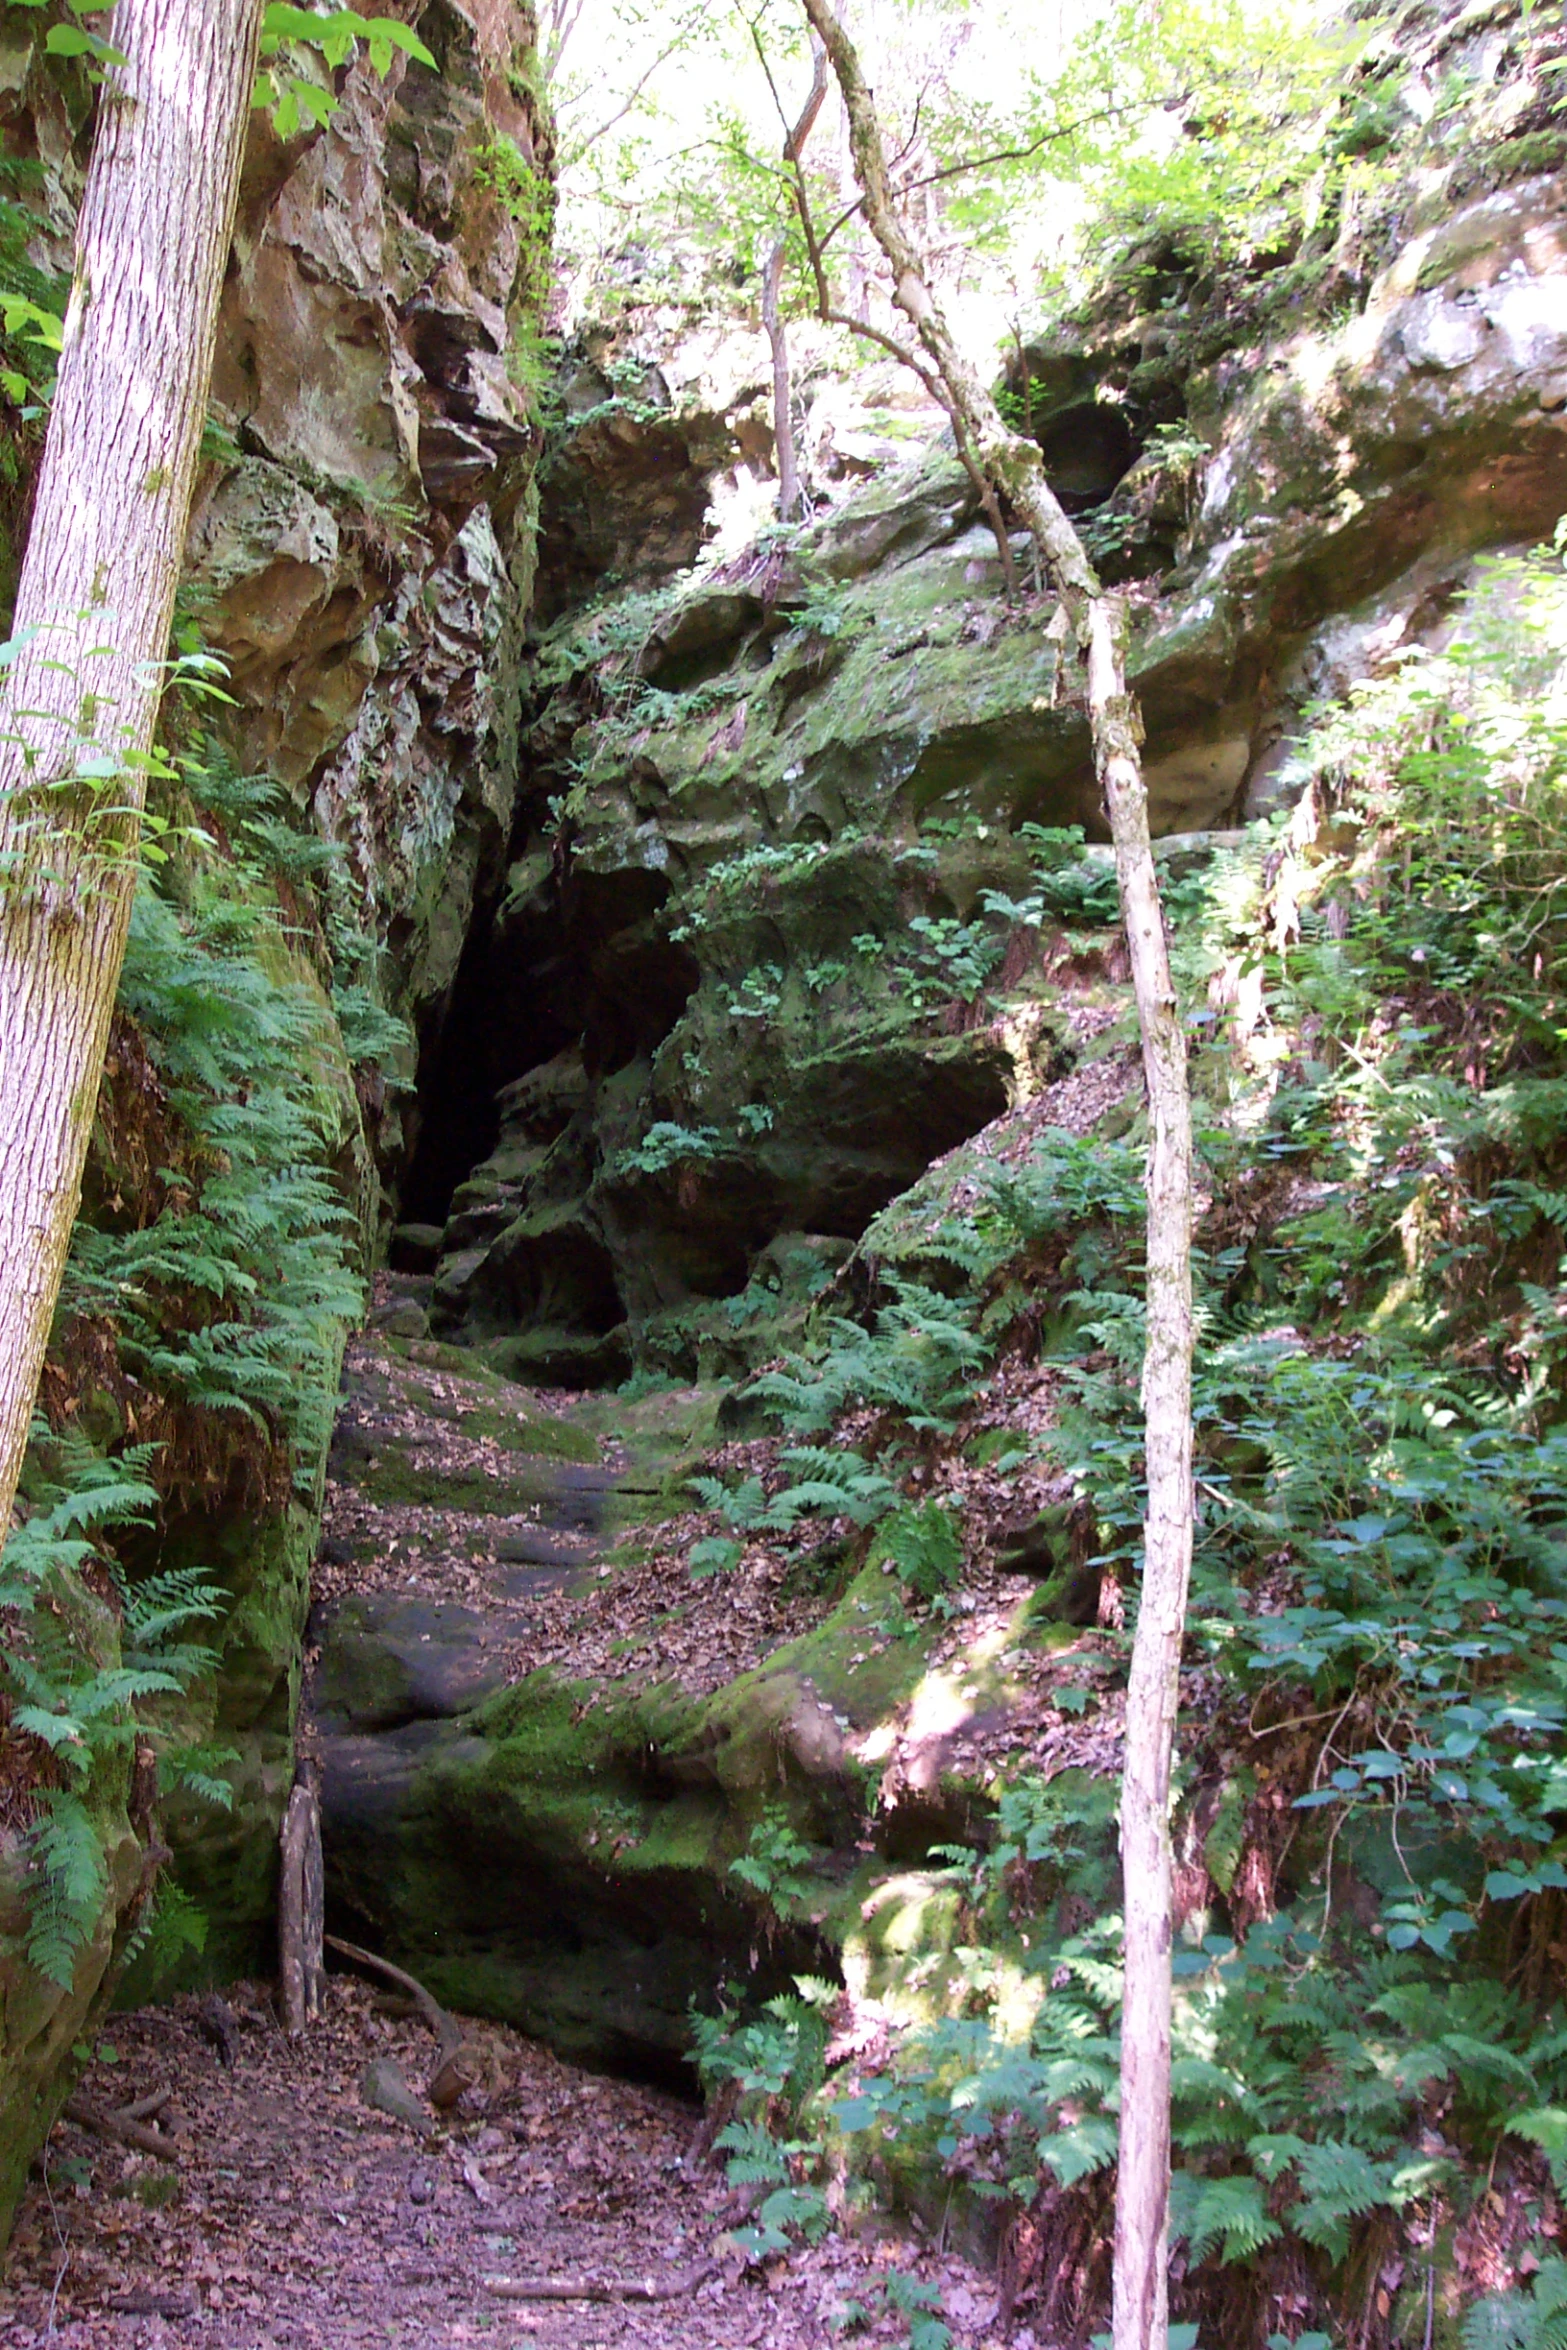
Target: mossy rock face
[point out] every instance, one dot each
(754, 1059)
(733, 1336)
(562, 1854)
(808, 1072)
(43, 2021)
(561, 1355)
(559, 1859)
(389, 1660)
(404, 1475)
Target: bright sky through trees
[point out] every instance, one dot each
(658, 103)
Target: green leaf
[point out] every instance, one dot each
(715, 1554)
(67, 40)
(1545, 2126)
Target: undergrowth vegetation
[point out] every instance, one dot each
(1371, 2078)
(192, 1371)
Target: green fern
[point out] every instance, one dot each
(925, 1545)
(756, 2159)
(226, 1299)
(1229, 2215)
(742, 1506)
(68, 1893)
(83, 1708)
(828, 1478)
(170, 1926)
(1525, 2319)
(1339, 2184)
(919, 1360)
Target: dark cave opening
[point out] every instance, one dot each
(1088, 449)
(571, 974)
(459, 1123)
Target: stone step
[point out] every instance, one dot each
(387, 1660)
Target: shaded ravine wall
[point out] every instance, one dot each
(360, 553)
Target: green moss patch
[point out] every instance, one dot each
(540, 1439)
(400, 1478)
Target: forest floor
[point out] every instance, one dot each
(284, 2209)
(289, 2215)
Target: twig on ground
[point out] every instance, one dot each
(674, 2288)
(63, 2242)
(142, 2109)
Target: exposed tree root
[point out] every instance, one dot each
(123, 2127)
(448, 2032)
(178, 2302)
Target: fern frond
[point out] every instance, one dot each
(70, 1890)
(1230, 2215)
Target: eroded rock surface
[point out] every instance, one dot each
(732, 998)
(362, 550)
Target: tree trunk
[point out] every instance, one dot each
(1014, 468)
(789, 499)
(783, 421)
(98, 582)
(301, 1910)
(1141, 2313)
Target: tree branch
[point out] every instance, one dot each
(789, 496)
(123, 2128)
(952, 171)
(584, 145)
(678, 2287)
(1015, 466)
(563, 23)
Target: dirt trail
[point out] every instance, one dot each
(471, 1520)
(294, 2217)
(525, 1510)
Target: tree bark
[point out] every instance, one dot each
(789, 499)
(1141, 2283)
(301, 1911)
(783, 420)
(1014, 468)
(97, 587)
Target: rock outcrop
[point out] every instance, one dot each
(718, 1012)
(364, 556)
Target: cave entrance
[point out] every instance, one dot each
(567, 985)
(1088, 449)
(459, 1124)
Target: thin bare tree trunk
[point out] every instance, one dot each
(1141, 2286)
(301, 1910)
(783, 420)
(789, 500)
(1014, 468)
(97, 588)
